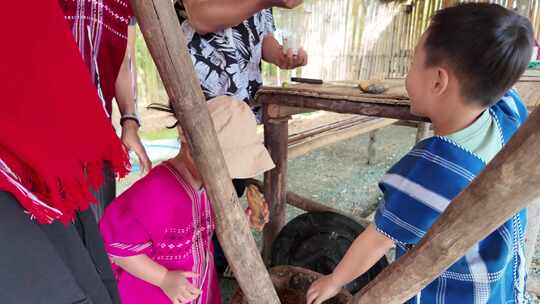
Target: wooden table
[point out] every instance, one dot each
(279, 103)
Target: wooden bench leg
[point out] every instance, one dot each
(372, 151)
(424, 131)
(275, 181)
(533, 226)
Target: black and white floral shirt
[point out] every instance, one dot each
(228, 62)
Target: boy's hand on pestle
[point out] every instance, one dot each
(323, 289)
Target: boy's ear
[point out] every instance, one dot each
(441, 81)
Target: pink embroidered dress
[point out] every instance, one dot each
(165, 218)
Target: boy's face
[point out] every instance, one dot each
(423, 83)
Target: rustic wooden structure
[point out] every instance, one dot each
(343, 97)
(280, 103)
(167, 45)
(508, 184)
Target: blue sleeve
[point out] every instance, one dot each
(404, 216)
(513, 101)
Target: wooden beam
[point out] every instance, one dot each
(167, 45)
(277, 111)
(423, 131)
(507, 185)
(309, 205)
(396, 111)
(371, 150)
(275, 181)
(338, 125)
(297, 201)
(531, 237)
(332, 137)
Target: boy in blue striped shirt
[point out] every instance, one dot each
(461, 77)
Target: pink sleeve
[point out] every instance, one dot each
(123, 234)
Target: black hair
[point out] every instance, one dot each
(486, 45)
(164, 108)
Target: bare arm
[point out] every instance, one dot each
(125, 95)
(173, 283)
(208, 16)
(124, 85)
(142, 267)
(365, 251)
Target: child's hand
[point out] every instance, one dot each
(322, 290)
(177, 288)
(255, 221)
(257, 211)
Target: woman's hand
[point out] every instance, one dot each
(273, 53)
(132, 141)
(290, 60)
(177, 288)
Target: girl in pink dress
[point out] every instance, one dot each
(159, 232)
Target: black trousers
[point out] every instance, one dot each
(106, 193)
(52, 264)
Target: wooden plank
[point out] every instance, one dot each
(342, 97)
(329, 138)
(423, 132)
(533, 227)
(529, 92)
(507, 185)
(167, 45)
(336, 126)
(309, 205)
(275, 181)
(386, 109)
(277, 111)
(372, 151)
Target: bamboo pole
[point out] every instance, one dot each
(533, 227)
(337, 136)
(167, 45)
(507, 185)
(423, 131)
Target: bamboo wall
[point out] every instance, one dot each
(347, 39)
(373, 39)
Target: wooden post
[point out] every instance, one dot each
(167, 45)
(533, 227)
(276, 133)
(423, 131)
(304, 203)
(372, 151)
(508, 184)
